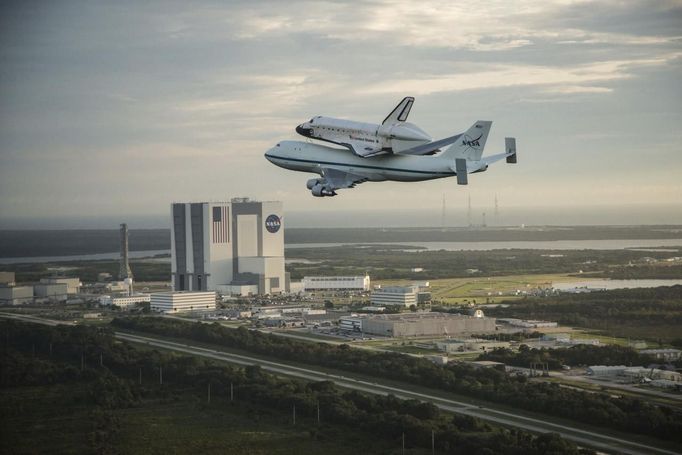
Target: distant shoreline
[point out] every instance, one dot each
(71, 245)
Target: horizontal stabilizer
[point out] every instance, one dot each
(510, 148)
(461, 170)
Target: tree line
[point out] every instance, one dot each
(625, 413)
(572, 356)
(110, 372)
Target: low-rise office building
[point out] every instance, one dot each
(336, 283)
(125, 302)
(402, 296)
(181, 301)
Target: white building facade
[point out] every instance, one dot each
(341, 283)
(403, 296)
(182, 301)
(239, 243)
(125, 302)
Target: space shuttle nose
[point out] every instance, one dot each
(303, 131)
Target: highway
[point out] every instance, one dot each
(579, 436)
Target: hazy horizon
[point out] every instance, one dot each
(454, 217)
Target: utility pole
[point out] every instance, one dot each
(160, 375)
(101, 360)
(231, 391)
(318, 412)
(140, 378)
(294, 414)
(50, 349)
(403, 443)
(433, 442)
(497, 212)
(82, 360)
(209, 393)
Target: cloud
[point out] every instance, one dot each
(556, 79)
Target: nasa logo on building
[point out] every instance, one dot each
(273, 223)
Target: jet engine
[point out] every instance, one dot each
(312, 182)
(322, 191)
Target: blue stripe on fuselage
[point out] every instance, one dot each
(331, 163)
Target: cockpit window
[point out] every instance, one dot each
(312, 120)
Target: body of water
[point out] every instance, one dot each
(521, 245)
(613, 284)
(432, 246)
(83, 257)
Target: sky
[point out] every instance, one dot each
(116, 109)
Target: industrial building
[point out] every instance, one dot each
(667, 355)
(7, 279)
(215, 245)
(175, 302)
(125, 302)
(403, 296)
(418, 324)
(469, 345)
(73, 285)
(336, 283)
(55, 292)
(16, 295)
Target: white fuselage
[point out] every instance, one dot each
(309, 157)
(365, 138)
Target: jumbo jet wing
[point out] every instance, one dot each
(431, 147)
(363, 149)
(336, 179)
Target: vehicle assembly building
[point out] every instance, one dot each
(418, 324)
(215, 245)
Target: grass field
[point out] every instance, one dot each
(485, 289)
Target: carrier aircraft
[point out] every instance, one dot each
(350, 165)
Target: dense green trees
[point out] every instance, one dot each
(625, 311)
(487, 384)
(573, 356)
(114, 384)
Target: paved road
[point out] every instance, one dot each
(577, 435)
(581, 437)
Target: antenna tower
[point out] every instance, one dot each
(124, 269)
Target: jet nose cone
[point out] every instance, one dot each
(303, 130)
(269, 153)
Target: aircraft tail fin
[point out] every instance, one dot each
(401, 111)
(471, 143)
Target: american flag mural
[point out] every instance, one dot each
(221, 225)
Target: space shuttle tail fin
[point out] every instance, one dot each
(400, 113)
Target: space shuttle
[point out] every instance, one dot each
(394, 135)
